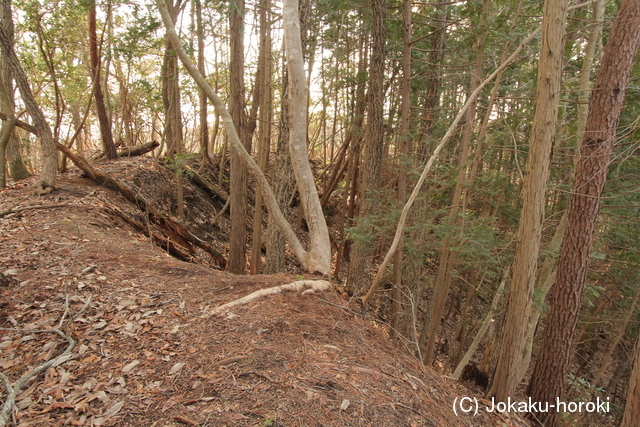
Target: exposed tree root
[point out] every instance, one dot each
(306, 286)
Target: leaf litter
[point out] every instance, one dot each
(145, 356)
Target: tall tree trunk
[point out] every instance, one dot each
(319, 243)
(12, 154)
(7, 127)
(11, 148)
(238, 192)
(6, 94)
(264, 130)
(533, 201)
(449, 253)
(546, 276)
(398, 296)
(374, 145)
(172, 107)
(204, 129)
(415, 260)
(105, 124)
(169, 74)
(631, 416)
(283, 184)
(548, 378)
(49, 155)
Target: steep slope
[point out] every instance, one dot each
(146, 354)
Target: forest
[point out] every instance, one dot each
(463, 172)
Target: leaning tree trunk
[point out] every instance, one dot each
(311, 261)
(49, 156)
(548, 378)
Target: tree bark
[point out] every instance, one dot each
(631, 416)
(398, 298)
(533, 201)
(548, 378)
(374, 144)
(319, 242)
(283, 185)
(49, 157)
(105, 124)
(238, 192)
(264, 130)
(6, 96)
(204, 128)
(169, 74)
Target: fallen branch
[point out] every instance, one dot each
(15, 389)
(21, 124)
(16, 210)
(138, 150)
(213, 190)
(306, 286)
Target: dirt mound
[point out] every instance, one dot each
(125, 326)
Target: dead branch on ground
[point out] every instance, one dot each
(14, 389)
(138, 150)
(16, 210)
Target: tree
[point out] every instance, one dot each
(238, 191)
(374, 145)
(105, 124)
(49, 157)
(263, 86)
(533, 201)
(6, 98)
(318, 257)
(632, 408)
(204, 129)
(548, 378)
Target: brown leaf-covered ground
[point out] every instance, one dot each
(144, 353)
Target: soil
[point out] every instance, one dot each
(145, 353)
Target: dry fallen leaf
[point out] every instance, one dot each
(130, 366)
(177, 367)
